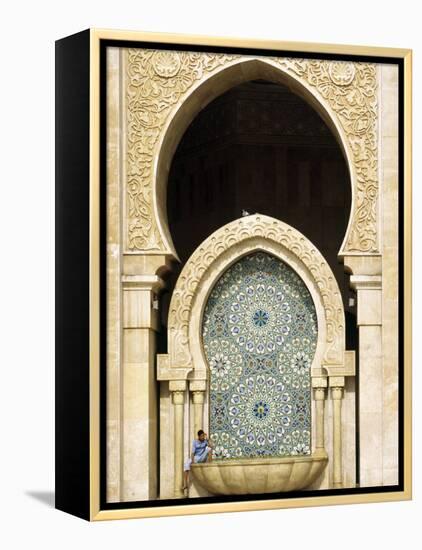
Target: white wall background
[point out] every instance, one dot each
(28, 31)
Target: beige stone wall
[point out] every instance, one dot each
(349, 433)
(166, 420)
(139, 251)
(114, 258)
(139, 415)
(376, 281)
(389, 208)
(370, 404)
(132, 426)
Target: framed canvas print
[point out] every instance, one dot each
(233, 274)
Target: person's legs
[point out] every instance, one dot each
(186, 473)
(186, 480)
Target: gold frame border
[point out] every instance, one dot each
(96, 514)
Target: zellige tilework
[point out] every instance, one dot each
(259, 335)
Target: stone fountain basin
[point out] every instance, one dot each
(259, 475)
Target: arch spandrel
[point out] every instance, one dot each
(164, 92)
(215, 255)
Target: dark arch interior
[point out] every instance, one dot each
(259, 148)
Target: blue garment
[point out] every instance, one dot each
(200, 450)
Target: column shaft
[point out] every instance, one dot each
(198, 411)
(369, 298)
(337, 395)
(139, 416)
(178, 403)
(319, 408)
(139, 390)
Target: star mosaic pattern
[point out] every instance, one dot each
(260, 334)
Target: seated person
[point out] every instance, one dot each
(201, 452)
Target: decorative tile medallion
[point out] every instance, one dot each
(260, 334)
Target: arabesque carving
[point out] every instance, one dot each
(229, 237)
(155, 84)
(351, 92)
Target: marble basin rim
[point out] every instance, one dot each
(260, 475)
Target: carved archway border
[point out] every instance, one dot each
(156, 82)
(179, 361)
(210, 277)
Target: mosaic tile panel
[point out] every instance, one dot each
(260, 334)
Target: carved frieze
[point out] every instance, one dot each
(157, 81)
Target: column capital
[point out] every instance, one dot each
(337, 393)
(166, 372)
(319, 382)
(197, 385)
(146, 263)
(177, 386)
(178, 397)
(336, 382)
(319, 394)
(366, 282)
(369, 294)
(152, 283)
(140, 305)
(198, 397)
(363, 264)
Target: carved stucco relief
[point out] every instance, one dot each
(157, 81)
(230, 237)
(351, 91)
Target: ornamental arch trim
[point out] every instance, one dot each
(166, 90)
(186, 358)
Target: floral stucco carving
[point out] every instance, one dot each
(351, 92)
(156, 81)
(228, 238)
